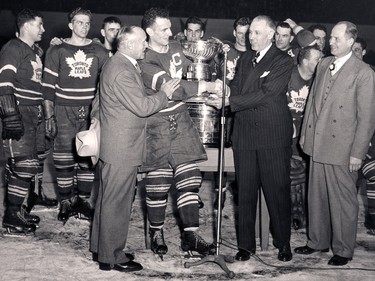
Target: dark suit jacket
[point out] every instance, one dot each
(258, 98)
(344, 125)
(123, 106)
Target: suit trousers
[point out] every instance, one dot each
(112, 211)
(332, 208)
(268, 169)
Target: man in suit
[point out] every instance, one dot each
(123, 109)
(262, 137)
(338, 126)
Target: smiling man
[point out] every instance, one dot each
(337, 128)
(262, 137)
(173, 143)
(22, 117)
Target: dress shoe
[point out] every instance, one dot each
(123, 267)
(95, 257)
(306, 250)
(243, 255)
(285, 254)
(338, 260)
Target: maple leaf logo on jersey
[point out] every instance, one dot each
(298, 99)
(231, 68)
(80, 65)
(37, 67)
(173, 71)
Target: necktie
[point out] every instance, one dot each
(254, 60)
(137, 67)
(332, 68)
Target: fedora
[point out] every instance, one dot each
(88, 142)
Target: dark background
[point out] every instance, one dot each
(325, 11)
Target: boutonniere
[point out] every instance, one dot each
(264, 74)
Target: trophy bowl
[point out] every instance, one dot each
(200, 51)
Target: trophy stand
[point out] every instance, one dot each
(220, 260)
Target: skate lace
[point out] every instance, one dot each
(22, 214)
(158, 238)
(199, 241)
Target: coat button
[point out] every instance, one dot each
(333, 136)
(309, 126)
(256, 123)
(334, 121)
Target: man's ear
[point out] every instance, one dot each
(234, 33)
(364, 52)
(149, 31)
(102, 32)
(185, 32)
(271, 34)
(70, 25)
(291, 39)
(202, 34)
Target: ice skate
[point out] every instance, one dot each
(192, 242)
(16, 224)
(82, 208)
(158, 245)
(30, 217)
(65, 211)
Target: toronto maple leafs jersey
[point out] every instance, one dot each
(71, 73)
(232, 58)
(298, 92)
(158, 68)
(21, 72)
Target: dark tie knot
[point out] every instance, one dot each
(254, 60)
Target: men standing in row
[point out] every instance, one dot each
(123, 108)
(70, 80)
(173, 143)
(337, 128)
(262, 138)
(22, 117)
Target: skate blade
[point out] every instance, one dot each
(11, 232)
(42, 209)
(190, 255)
(82, 217)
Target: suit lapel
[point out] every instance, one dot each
(342, 75)
(323, 76)
(256, 72)
(130, 67)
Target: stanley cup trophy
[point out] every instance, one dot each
(206, 118)
(200, 52)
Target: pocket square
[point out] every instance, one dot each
(264, 74)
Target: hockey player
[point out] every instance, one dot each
(173, 143)
(22, 117)
(69, 86)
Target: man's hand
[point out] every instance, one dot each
(216, 101)
(170, 87)
(302, 141)
(55, 41)
(12, 127)
(51, 127)
(354, 164)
